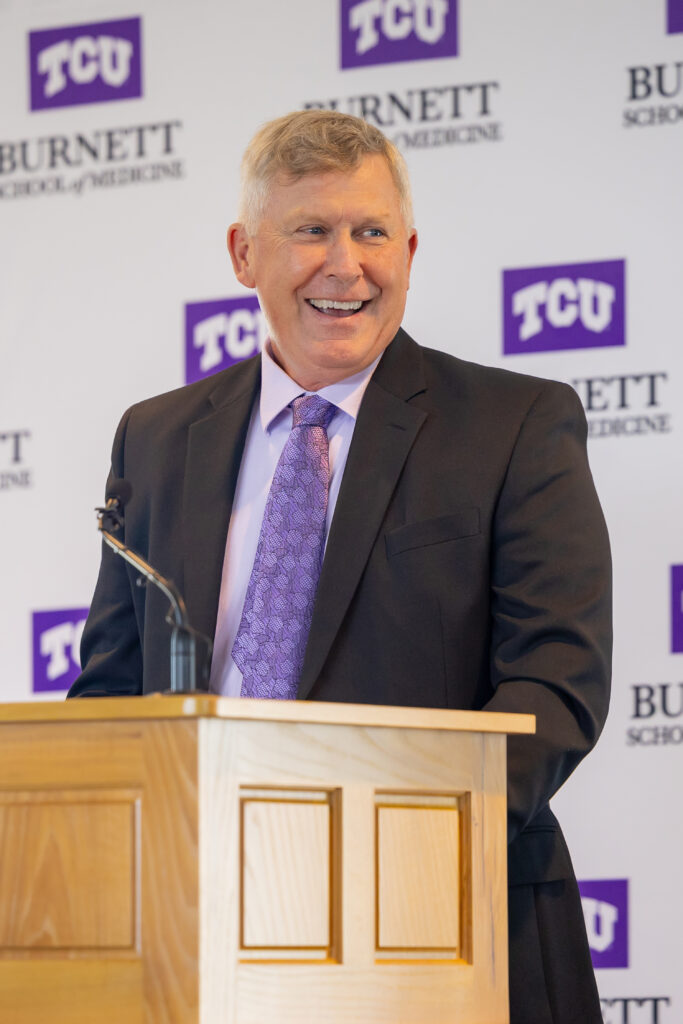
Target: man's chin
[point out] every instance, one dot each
(345, 353)
(338, 365)
(327, 356)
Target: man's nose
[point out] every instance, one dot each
(343, 258)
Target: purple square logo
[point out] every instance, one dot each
(56, 646)
(93, 63)
(605, 911)
(387, 31)
(674, 12)
(221, 333)
(578, 305)
(677, 609)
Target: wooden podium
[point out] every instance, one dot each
(170, 860)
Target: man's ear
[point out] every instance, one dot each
(241, 253)
(412, 248)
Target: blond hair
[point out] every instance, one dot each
(314, 142)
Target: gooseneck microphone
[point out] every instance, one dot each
(119, 493)
(183, 637)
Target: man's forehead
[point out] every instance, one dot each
(312, 207)
(370, 193)
(371, 163)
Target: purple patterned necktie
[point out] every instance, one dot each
(271, 640)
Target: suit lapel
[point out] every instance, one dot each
(384, 434)
(214, 452)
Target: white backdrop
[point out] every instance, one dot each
(560, 149)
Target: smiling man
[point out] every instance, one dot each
(356, 518)
(330, 257)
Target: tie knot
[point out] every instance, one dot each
(312, 411)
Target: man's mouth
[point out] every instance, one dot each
(333, 307)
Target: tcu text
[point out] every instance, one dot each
(396, 19)
(238, 335)
(60, 644)
(563, 301)
(601, 918)
(83, 59)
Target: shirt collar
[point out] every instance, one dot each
(278, 389)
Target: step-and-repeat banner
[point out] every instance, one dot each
(545, 143)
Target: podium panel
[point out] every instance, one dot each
(172, 860)
(420, 843)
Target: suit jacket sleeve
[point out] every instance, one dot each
(551, 602)
(111, 648)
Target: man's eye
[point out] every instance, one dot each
(374, 233)
(312, 229)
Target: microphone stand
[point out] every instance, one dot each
(183, 636)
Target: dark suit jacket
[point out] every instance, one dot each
(467, 564)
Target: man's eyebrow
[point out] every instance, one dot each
(311, 214)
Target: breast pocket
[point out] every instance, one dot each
(466, 522)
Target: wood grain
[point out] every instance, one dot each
(170, 856)
(418, 878)
(385, 994)
(184, 790)
(71, 992)
(369, 766)
(157, 707)
(489, 869)
(357, 880)
(56, 755)
(68, 880)
(286, 887)
(67, 872)
(219, 869)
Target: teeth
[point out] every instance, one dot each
(330, 304)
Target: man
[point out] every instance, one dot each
(466, 563)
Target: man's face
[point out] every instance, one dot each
(330, 260)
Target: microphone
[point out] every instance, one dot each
(119, 492)
(183, 636)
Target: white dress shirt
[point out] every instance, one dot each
(269, 428)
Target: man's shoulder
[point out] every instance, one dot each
(463, 380)
(453, 368)
(191, 401)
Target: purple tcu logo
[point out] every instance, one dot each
(674, 11)
(221, 333)
(677, 609)
(386, 31)
(92, 63)
(605, 911)
(56, 644)
(579, 305)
